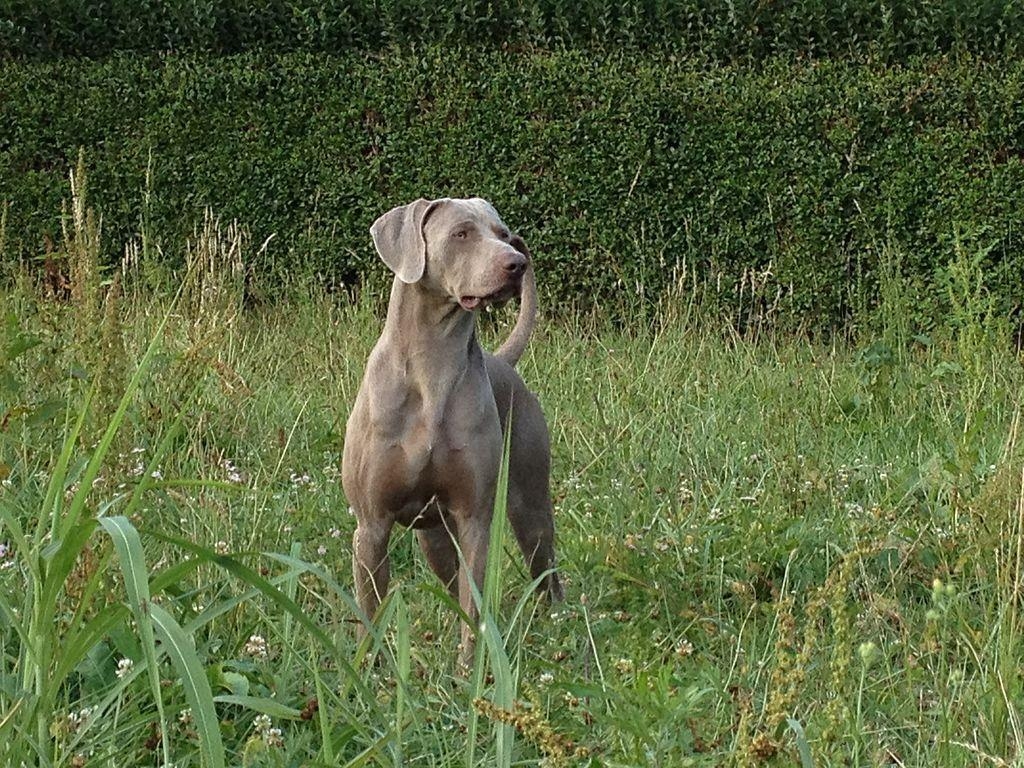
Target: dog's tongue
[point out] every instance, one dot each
(469, 303)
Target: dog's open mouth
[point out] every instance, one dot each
(470, 303)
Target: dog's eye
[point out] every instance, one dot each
(460, 234)
(505, 234)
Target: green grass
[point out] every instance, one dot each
(776, 551)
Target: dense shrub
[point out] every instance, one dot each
(793, 177)
(716, 29)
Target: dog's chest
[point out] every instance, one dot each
(421, 471)
(447, 456)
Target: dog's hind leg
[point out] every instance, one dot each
(439, 548)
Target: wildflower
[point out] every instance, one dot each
(124, 668)
(335, 533)
(257, 647)
(221, 548)
(271, 736)
(234, 474)
(868, 652)
(78, 719)
(156, 474)
(321, 550)
(185, 717)
(624, 666)
(300, 480)
(546, 678)
(684, 649)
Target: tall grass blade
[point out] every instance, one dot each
(261, 704)
(55, 488)
(802, 746)
(183, 655)
(60, 557)
(490, 644)
(272, 593)
(85, 483)
(403, 659)
(136, 583)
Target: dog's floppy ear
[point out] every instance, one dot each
(398, 238)
(517, 242)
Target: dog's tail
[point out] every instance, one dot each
(515, 344)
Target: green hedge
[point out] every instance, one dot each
(617, 168)
(721, 30)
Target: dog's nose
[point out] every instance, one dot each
(515, 263)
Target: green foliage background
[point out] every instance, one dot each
(723, 30)
(742, 160)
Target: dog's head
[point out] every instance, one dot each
(456, 247)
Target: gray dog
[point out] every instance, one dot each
(424, 441)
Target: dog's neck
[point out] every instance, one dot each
(428, 330)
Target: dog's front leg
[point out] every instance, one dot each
(474, 539)
(371, 569)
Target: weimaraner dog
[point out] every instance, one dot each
(424, 440)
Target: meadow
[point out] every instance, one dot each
(778, 549)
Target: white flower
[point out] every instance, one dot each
(271, 736)
(234, 474)
(77, 719)
(684, 649)
(624, 666)
(124, 668)
(257, 647)
(299, 480)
